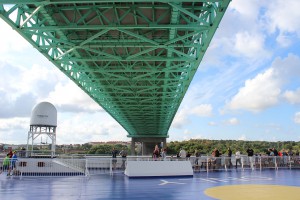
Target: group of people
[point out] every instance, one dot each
(9, 163)
(228, 162)
(161, 154)
(216, 162)
(123, 153)
(157, 153)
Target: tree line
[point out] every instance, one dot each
(204, 146)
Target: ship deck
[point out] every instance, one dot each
(234, 184)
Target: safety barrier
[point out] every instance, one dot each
(44, 167)
(209, 163)
(95, 165)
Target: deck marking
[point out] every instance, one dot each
(254, 192)
(164, 182)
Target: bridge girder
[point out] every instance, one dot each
(135, 58)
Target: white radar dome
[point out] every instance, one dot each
(44, 114)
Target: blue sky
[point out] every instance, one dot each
(246, 88)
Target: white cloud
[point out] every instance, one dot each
(11, 123)
(232, 121)
(264, 90)
(186, 132)
(250, 45)
(180, 119)
(248, 9)
(38, 80)
(71, 128)
(17, 45)
(74, 99)
(86, 127)
(284, 15)
(293, 96)
(203, 110)
(297, 118)
(258, 93)
(284, 40)
(212, 123)
(14, 130)
(184, 135)
(242, 137)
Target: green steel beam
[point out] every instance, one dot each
(49, 2)
(192, 26)
(135, 58)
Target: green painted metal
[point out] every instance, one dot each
(135, 58)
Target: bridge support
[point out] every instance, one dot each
(147, 145)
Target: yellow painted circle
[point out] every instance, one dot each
(254, 192)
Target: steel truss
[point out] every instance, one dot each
(135, 58)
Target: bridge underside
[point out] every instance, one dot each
(135, 58)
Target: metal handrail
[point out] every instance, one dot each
(93, 165)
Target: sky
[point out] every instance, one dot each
(246, 88)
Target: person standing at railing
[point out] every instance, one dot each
(216, 161)
(155, 154)
(284, 155)
(10, 154)
(164, 154)
(271, 152)
(13, 161)
(197, 155)
(114, 153)
(228, 159)
(275, 151)
(182, 154)
(123, 154)
(290, 152)
(237, 158)
(5, 165)
(250, 153)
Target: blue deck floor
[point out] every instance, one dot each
(119, 186)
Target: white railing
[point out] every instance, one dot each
(44, 167)
(209, 163)
(94, 165)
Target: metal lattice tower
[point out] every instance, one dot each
(135, 58)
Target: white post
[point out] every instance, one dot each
(110, 167)
(86, 167)
(260, 162)
(290, 164)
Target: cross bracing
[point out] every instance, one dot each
(135, 58)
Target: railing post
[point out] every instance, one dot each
(260, 163)
(290, 163)
(110, 167)
(86, 167)
(242, 161)
(207, 164)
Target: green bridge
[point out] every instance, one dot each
(135, 58)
